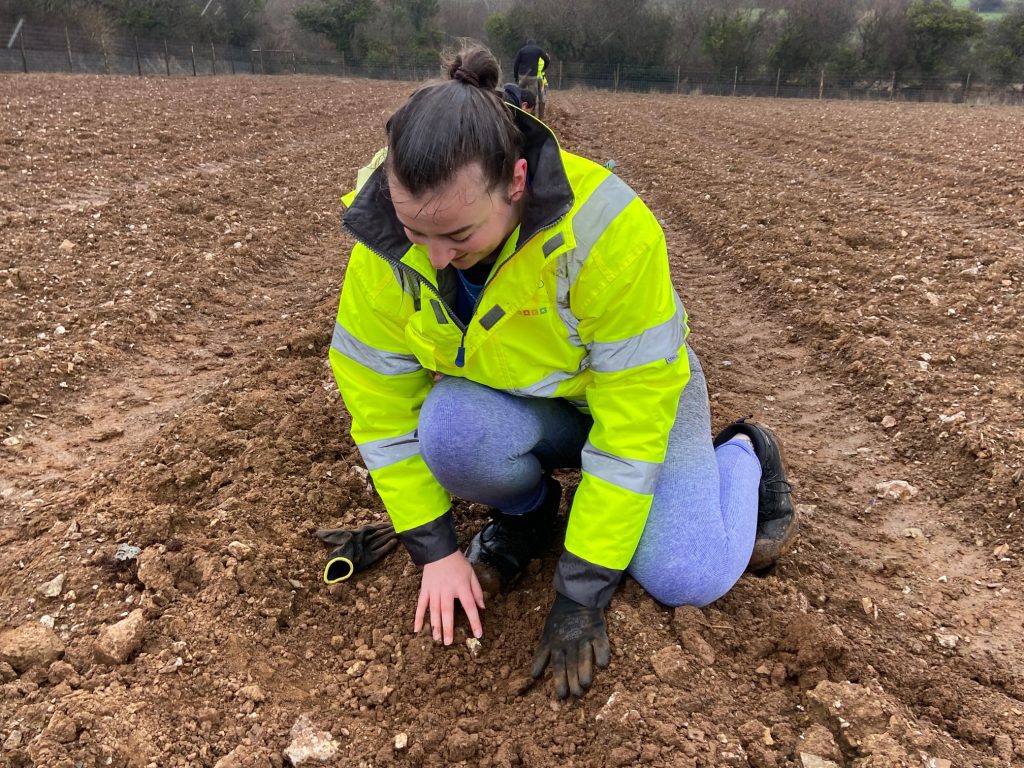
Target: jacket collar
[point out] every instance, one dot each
(371, 218)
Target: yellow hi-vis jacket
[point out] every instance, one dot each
(579, 305)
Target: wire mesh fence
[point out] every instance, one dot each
(36, 48)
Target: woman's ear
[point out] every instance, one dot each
(518, 186)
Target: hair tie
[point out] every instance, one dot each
(466, 77)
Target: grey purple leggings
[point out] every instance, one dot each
(491, 447)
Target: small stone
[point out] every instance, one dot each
(1001, 551)
(953, 418)
(251, 693)
(520, 685)
(208, 715)
(401, 741)
(813, 761)
(239, 551)
(66, 247)
(309, 744)
(125, 553)
(53, 587)
(117, 642)
(693, 643)
(913, 533)
(947, 639)
(61, 728)
(670, 666)
(29, 645)
(13, 740)
(898, 490)
(474, 646)
(819, 741)
(888, 422)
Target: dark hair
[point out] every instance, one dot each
(529, 97)
(449, 124)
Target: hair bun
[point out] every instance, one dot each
(465, 76)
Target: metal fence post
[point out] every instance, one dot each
(263, 69)
(679, 70)
(967, 86)
(138, 60)
(892, 86)
(295, 70)
(67, 39)
(616, 83)
(821, 85)
(167, 59)
(342, 63)
(213, 59)
(778, 79)
(106, 64)
(559, 75)
(735, 79)
(193, 48)
(21, 42)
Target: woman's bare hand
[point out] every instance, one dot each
(444, 581)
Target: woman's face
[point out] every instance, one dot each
(463, 223)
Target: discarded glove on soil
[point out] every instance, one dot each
(356, 549)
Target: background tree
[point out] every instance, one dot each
(729, 37)
(1004, 46)
(811, 33)
(465, 18)
(939, 33)
(336, 20)
(881, 37)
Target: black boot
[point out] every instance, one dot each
(504, 547)
(777, 521)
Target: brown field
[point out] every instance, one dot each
(170, 259)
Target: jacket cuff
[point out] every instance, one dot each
(431, 541)
(586, 583)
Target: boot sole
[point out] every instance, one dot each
(489, 578)
(768, 549)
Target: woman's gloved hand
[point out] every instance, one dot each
(574, 638)
(356, 549)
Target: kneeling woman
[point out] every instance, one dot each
(508, 311)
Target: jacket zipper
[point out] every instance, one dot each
(460, 355)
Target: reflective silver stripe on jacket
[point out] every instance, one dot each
(595, 216)
(632, 474)
(546, 387)
(378, 454)
(662, 342)
(379, 360)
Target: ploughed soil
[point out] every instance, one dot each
(170, 259)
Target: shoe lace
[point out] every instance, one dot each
(495, 532)
(777, 485)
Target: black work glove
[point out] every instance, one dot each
(574, 638)
(356, 549)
